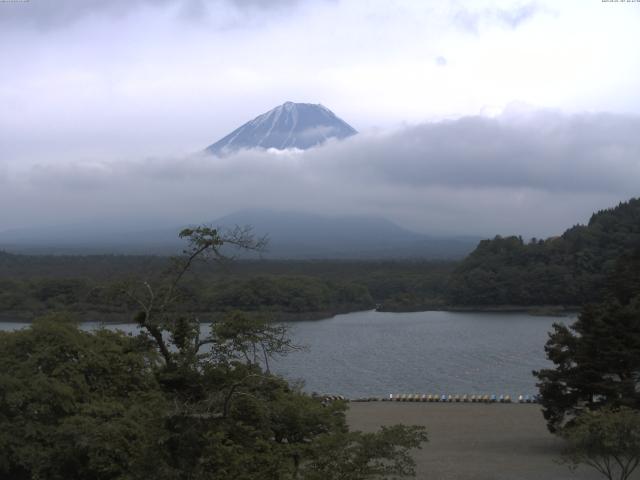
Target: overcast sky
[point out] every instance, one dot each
(477, 117)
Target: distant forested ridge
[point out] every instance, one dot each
(571, 269)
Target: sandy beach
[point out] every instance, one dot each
(475, 441)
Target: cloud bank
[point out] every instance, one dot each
(532, 173)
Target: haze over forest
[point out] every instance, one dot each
(474, 118)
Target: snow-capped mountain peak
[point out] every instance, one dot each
(290, 125)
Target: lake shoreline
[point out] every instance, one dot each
(205, 317)
(544, 310)
(287, 317)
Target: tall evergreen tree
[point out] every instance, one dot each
(597, 359)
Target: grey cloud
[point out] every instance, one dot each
(264, 5)
(46, 13)
(546, 151)
(50, 14)
(80, 176)
(516, 16)
(534, 174)
(471, 20)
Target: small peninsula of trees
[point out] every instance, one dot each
(173, 402)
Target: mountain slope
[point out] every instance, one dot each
(293, 235)
(290, 125)
(296, 235)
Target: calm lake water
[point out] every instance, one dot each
(377, 353)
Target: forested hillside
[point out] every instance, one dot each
(567, 270)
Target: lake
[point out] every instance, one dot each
(372, 353)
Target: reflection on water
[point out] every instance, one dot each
(376, 353)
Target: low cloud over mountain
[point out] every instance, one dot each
(531, 173)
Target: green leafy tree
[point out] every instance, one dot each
(607, 440)
(175, 402)
(74, 404)
(359, 456)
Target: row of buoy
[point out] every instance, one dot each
(326, 399)
(403, 397)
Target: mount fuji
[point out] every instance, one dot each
(290, 125)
